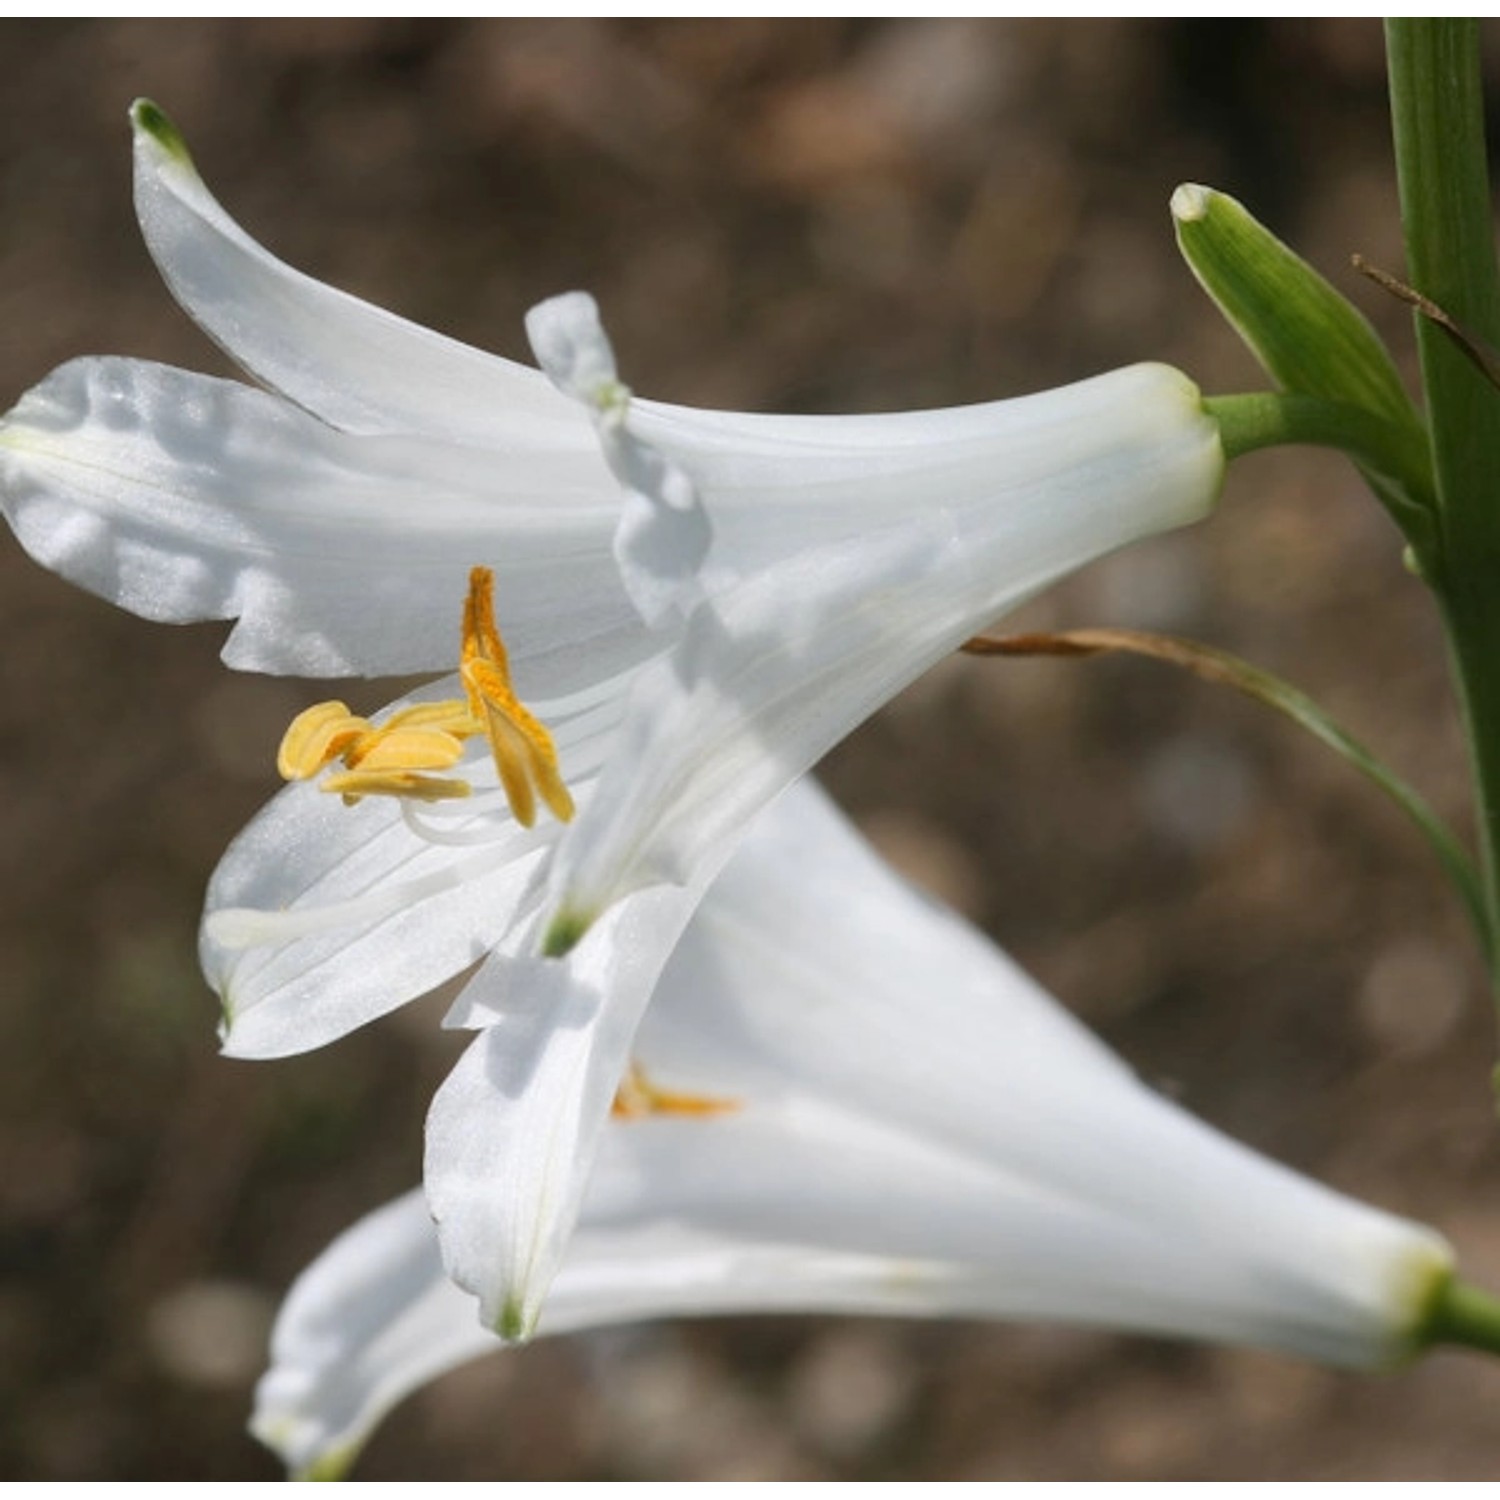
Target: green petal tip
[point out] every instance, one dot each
(331, 1466)
(150, 119)
(564, 933)
(514, 1326)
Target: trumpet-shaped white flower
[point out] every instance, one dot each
(849, 1100)
(696, 605)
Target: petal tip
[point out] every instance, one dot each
(334, 1465)
(516, 1323)
(1191, 201)
(565, 931)
(574, 351)
(152, 121)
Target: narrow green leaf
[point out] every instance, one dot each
(1220, 666)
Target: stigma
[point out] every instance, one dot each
(407, 754)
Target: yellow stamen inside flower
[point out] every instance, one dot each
(396, 759)
(315, 737)
(352, 785)
(637, 1098)
(388, 759)
(524, 753)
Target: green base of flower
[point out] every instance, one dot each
(1393, 456)
(1464, 1315)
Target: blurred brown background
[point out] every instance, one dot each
(813, 216)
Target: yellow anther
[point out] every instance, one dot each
(380, 759)
(450, 714)
(638, 1098)
(317, 735)
(525, 756)
(398, 747)
(352, 785)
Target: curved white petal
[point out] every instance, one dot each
(375, 1316)
(182, 497)
(848, 989)
(513, 1132)
(355, 366)
(774, 670)
(368, 1322)
(664, 532)
(836, 478)
(321, 917)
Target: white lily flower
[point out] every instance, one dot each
(849, 1100)
(696, 605)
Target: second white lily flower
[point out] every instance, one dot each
(853, 1102)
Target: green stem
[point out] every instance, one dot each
(1438, 119)
(1462, 1314)
(1219, 666)
(1263, 419)
(1396, 455)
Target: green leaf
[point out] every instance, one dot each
(1220, 666)
(1438, 120)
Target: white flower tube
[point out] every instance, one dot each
(893, 1119)
(695, 606)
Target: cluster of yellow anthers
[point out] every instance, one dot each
(403, 756)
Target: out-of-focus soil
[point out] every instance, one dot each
(814, 216)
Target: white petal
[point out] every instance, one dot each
(182, 497)
(843, 989)
(575, 353)
(368, 1322)
(355, 366)
(772, 672)
(664, 532)
(374, 1317)
(774, 484)
(321, 917)
(512, 1133)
